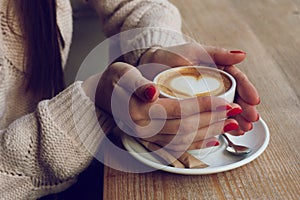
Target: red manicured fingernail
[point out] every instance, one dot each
(234, 112)
(212, 144)
(230, 127)
(150, 92)
(237, 52)
(257, 118)
(223, 107)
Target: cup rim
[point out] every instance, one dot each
(232, 79)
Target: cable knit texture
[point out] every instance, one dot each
(45, 145)
(143, 23)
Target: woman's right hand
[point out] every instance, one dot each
(177, 125)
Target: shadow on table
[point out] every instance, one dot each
(89, 185)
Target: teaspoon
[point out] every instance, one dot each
(235, 149)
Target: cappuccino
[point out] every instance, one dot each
(192, 81)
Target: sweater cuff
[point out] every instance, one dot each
(137, 41)
(75, 114)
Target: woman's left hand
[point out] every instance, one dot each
(194, 54)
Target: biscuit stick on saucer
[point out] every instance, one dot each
(176, 159)
(162, 153)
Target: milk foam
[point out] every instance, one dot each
(192, 86)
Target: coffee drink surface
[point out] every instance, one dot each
(185, 82)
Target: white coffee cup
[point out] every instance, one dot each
(192, 81)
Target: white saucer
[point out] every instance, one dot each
(217, 158)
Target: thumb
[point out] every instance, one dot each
(148, 92)
(131, 79)
(222, 56)
(193, 53)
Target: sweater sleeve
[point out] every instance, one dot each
(151, 23)
(43, 152)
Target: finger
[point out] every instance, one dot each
(194, 53)
(249, 111)
(130, 78)
(245, 88)
(171, 56)
(147, 92)
(187, 107)
(236, 132)
(186, 125)
(244, 124)
(215, 129)
(234, 110)
(222, 56)
(184, 140)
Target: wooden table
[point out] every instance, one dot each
(269, 31)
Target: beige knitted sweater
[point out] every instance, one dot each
(43, 145)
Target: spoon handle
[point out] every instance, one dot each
(227, 139)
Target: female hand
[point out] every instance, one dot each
(194, 54)
(176, 124)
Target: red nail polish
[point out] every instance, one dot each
(150, 92)
(234, 112)
(257, 118)
(212, 144)
(223, 107)
(237, 52)
(230, 127)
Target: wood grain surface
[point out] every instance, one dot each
(269, 31)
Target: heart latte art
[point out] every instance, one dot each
(190, 82)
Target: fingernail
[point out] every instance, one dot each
(234, 112)
(230, 127)
(258, 100)
(223, 107)
(251, 127)
(237, 52)
(212, 144)
(257, 118)
(150, 92)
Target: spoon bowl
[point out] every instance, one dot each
(235, 149)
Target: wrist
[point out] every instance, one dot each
(90, 85)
